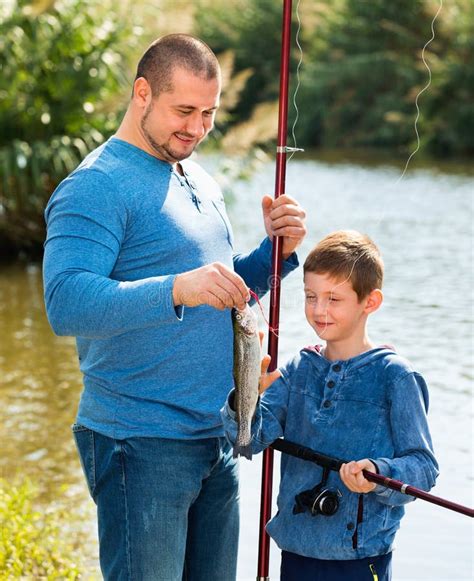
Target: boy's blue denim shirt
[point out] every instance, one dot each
(371, 406)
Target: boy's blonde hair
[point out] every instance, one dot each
(347, 254)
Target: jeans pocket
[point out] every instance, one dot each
(84, 439)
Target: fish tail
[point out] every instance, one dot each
(240, 450)
(243, 442)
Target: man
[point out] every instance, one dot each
(136, 234)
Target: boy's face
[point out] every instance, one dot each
(332, 307)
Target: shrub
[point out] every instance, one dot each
(60, 70)
(31, 542)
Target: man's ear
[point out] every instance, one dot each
(142, 93)
(373, 301)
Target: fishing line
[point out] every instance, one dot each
(298, 83)
(267, 322)
(428, 84)
(294, 149)
(422, 91)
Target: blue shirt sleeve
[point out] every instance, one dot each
(414, 462)
(86, 225)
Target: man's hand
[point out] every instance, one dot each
(284, 217)
(351, 475)
(214, 284)
(266, 379)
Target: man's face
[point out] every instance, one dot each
(332, 307)
(175, 122)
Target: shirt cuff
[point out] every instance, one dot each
(230, 404)
(383, 468)
(288, 265)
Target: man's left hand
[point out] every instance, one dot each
(284, 217)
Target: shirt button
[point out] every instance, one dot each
(336, 367)
(327, 404)
(350, 526)
(331, 383)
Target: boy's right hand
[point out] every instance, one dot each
(266, 379)
(352, 476)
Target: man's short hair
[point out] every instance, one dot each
(347, 254)
(176, 50)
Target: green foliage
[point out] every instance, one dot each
(252, 31)
(450, 103)
(60, 71)
(367, 76)
(63, 88)
(362, 69)
(31, 542)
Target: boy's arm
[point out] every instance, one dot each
(414, 462)
(269, 419)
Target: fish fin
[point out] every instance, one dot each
(242, 451)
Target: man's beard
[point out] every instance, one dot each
(164, 150)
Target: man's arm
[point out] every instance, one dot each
(86, 229)
(86, 226)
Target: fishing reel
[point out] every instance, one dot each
(319, 499)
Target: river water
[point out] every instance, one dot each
(423, 225)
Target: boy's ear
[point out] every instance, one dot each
(373, 301)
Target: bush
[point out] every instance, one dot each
(31, 542)
(60, 71)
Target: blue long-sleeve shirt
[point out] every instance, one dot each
(119, 229)
(371, 406)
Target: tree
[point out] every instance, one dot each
(450, 103)
(252, 32)
(61, 68)
(366, 78)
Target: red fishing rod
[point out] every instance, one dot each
(267, 462)
(292, 449)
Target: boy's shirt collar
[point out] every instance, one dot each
(354, 362)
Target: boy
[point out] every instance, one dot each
(347, 399)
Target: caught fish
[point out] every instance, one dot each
(246, 376)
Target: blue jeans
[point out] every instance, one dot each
(298, 568)
(167, 509)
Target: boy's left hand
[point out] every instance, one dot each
(351, 475)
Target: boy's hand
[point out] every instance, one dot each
(266, 379)
(351, 475)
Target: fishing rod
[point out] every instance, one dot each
(274, 317)
(292, 449)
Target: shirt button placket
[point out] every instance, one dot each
(327, 403)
